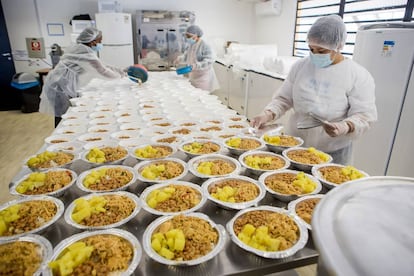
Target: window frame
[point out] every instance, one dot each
(341, 4)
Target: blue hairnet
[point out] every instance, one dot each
(328, 32)
(88, 34)
(195, 30)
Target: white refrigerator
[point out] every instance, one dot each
(387, 51)
(117, 38)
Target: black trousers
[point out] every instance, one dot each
(57, 121)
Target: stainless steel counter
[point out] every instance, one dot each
(232, 260)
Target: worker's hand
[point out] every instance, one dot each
(261, 119)
(336, 129)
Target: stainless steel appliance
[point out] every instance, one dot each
(160, 37)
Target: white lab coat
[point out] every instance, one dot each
(344, 90)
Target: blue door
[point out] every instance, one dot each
(9, 98)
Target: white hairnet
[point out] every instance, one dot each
(328, 32)
(88, 34)
(195, 30)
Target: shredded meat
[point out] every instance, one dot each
(305, 208)
(19, 258)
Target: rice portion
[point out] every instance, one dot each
(200, 236)
(112, 178)
(280, 226)
(305, 208)
(20, 258)
(113, 154)
(26, 216)
(245, 191)
(182, 199)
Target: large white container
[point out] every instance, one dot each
(365, 227)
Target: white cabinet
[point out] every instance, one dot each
(238, 86)
(223, 73)
(260, 92)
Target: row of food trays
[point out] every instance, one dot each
(266, 231)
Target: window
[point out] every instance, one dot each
(355, 14)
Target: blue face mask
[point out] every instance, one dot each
(97, 47)
(321, 60)
(191, 41)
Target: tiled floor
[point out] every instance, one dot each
(22, 135)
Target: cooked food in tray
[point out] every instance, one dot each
(234, 190)
(184, 238)
(38, 183)
(107, 178)
(173, 198)
(201, 147)
(26, 216)
(153, 151)
(266, 230)
(20, 257)
(49, 159)
(281, 140)
(162, 170)
(106, 154)
(308, 156)
(290, 183)
(94, 255)
(264, 161)
(304, 209)
(215, 167)
(243, 143)
(102, 210)
(340, 174)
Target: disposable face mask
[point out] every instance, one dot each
(97, 47)
(321, 60)
(191, 41)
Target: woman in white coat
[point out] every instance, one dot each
(334, 88)
(76, 68)
(200, 56)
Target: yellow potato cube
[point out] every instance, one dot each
(168, 254)
(248, 229)
(156, 245)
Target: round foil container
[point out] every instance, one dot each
(302, 166)
(229, 205)
(288, 197)
(116, 232)
(46, 249)
(116, 162)
(170, 146)
(201, 141)
(81, 177)
(141, 165)
(66, 165)
(71, 207)
(328, 184)
(146, 241)
(60, 138)
(256, 171)
(59, 211)
(237, 151)
(303, 234)
(292, 206)
(151, 188)
(194, 163)
(56, 193)
(276, 148)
